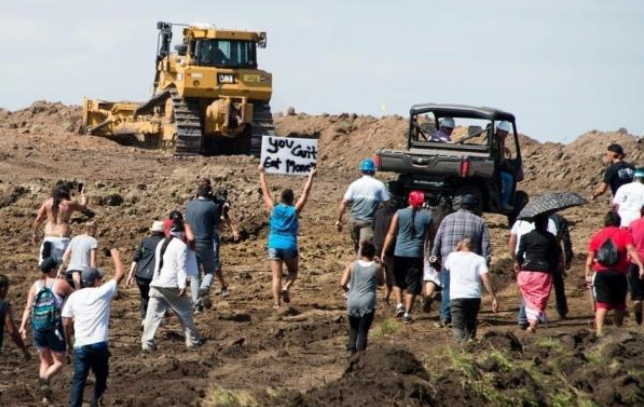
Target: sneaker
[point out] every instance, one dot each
(224, 292)
(206, 302)
(286, 296)
(198, 309)
(407, 318)
(400, 310)
(443, 324)
(197, 344)
(142, 324)
(427, 305)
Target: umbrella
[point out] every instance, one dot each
(550, 203)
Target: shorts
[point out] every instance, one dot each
(53, 246)
(637, 285)
(207, 258)
(282, 254)
(361, 230)
(53, 340)
(408, 273)
(430, 274)
(69, 276)
(610, 289)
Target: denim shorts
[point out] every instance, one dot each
(54, 340)
(282, 254)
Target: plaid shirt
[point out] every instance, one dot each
(455, 227)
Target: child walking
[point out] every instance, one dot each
(359, 280)
(467, 269)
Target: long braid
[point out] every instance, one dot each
(412, 227)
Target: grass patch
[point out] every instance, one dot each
(220, 397)
(387, 327)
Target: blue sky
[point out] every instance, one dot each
(562, 67)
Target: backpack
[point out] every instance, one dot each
(45, 315)
(607, 255)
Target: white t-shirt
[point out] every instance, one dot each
(630, 198)
(522, 227)
(365, 194)
(81, 248)
(90, 308)
(174, 272)
(465, 271)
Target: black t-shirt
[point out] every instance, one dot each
(536, 251)
(618, 174)
(145, 256)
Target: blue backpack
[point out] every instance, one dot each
(45, 315)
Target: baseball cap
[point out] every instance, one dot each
(157, 226)
(616, 148)
(90, 274)
(469, 199)
(447, 122)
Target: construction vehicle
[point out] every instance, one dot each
(209, 96)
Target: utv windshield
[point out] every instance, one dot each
(225, 53)
(427, 129)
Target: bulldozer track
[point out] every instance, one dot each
(189, 139)
(261, 126)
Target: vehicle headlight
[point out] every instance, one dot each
(225, 78)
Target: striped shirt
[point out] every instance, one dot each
(457, 226)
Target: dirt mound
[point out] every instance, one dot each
(42, 117)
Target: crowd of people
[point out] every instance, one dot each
(413, 250)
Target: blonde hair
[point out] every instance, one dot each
(90, 228)
(465, 243)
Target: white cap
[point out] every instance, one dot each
(447, 122)
(157, 226)
(504, 126)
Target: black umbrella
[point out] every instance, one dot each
(550, 203)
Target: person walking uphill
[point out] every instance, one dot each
(57, 211)
(363, 195)
(44, 302)
(168, 290)
(608, 254)
(410, 228)
(86, 317)
(636, 282)
(538, 258)
(617, 172)
(282, 238)
(80, 254)
(142, 268)
(454, 228)
(360, 280)
(202, 214)
(629, 199)
(467, 270)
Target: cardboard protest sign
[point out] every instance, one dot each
(289, 156)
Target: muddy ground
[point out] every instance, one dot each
(255, 356)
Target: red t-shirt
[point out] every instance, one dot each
(637, 231)
(621, 239)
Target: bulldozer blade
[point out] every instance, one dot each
(147, 107)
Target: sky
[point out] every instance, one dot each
(563, 67)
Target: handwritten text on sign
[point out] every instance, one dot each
(291, 156)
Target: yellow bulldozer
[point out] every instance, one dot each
(209, 96)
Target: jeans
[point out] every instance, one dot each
(358, 331)
(465, 312)
(144, 289)
(162, 298)
(507, 183)
(446, 315)
(88, 357)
